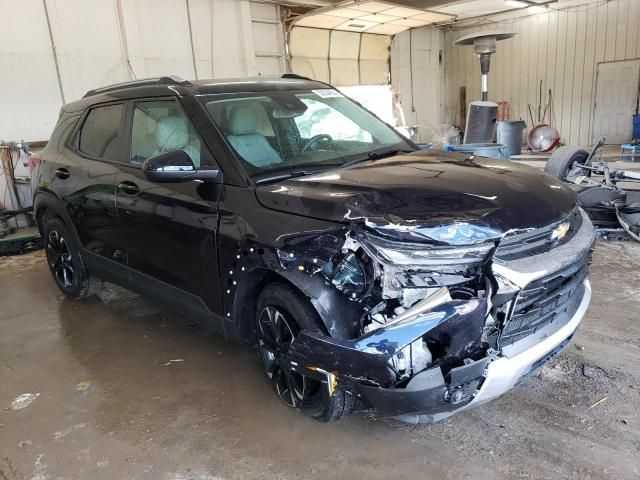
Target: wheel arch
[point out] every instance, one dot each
(339, 315)
(46, 204)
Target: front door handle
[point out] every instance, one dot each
(129, 187)
(62, 173)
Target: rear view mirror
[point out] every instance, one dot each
(176, 166)
(282, 113)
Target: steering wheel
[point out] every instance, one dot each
(315, 139)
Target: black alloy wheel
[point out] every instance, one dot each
(60, 259)
(282, 312)
(277, 332)
(64, 260)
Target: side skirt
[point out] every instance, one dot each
(187, 304)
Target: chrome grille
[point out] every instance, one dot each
(538, 241)
(551, 299)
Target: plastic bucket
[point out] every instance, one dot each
(509, 133)
(491, 150)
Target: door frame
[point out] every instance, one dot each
(595, 93)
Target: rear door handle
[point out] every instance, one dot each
(129, 187)
(62, 173)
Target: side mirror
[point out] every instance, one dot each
(176, 166)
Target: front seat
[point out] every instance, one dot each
(245, 139)
(172, 133)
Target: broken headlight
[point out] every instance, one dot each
(454, 234)
(409, 254)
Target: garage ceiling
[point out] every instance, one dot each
(371, 16)
(391, 17)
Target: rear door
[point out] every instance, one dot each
(83, 177)
(168, 229)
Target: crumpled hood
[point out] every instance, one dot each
(426, 189)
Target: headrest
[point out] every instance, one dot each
(243, 120)
(172, 133)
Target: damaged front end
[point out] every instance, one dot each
(435, 313)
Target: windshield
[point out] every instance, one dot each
(304, 130)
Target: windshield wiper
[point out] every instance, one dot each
(296, 173)
(282, 176)
(377, 155)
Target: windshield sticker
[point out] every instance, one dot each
(327, 93)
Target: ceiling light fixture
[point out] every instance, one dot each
(538, 9)
(516, 3)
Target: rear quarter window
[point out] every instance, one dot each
(60, 135)
(101, 135)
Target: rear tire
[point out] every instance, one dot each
(63, 258)
(565, 162)
(294, 312)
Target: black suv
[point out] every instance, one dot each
(368, 272)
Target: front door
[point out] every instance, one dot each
(616, 100)
(168, 229)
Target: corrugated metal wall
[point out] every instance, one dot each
(560, 48)
(99, 42)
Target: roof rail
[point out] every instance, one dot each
(295, 76)
(143, 82)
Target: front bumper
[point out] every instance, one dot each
(361, 366)
(427, 397)
(503, 373)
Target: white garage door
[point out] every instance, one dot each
(340, 58)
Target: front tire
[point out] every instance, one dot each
(63, 258)
(281, 313)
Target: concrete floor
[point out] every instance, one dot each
(112, 404)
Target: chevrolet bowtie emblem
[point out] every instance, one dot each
(560, 231)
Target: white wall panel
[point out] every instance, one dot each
(561, 48)
(158, 37)
(29, 92)
(99, 42)
(88, 46)
(233, 54)
(268, 38)
(417, 74)
(201, 13)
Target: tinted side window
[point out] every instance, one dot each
(100, 134)
(161, 126)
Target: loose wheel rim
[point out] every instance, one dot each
(276, 333)
(60, 259)
(575, 170)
